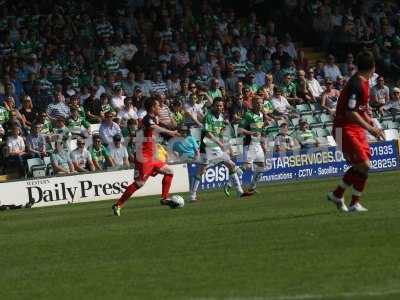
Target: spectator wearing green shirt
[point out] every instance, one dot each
(214, 91)
(305, 136)
(77, 125)
(288, 88)
(100, 155)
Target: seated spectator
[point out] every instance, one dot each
(128, 112)
(58, 108)
(313, 84)
(36, 142)
(60, 160)
(319, 73)
(77, 125)
(301, 61)
(283, 141)
(108, 129)
(81, 158)
(165, 116)
(105, 105)
(118, 152)
(281, 106)
(62, 131)
(28, 113)
(379, 94)
(193, 112)
(177, 113)
(47, 126)
(392, 106)
(13, 120)
(288, 89)
(305, 136)
(74, 103)
(186, 148)
(214, 91)
(117, 100)
(331, 70)
(100, 155)
(4, 115)
(330, 97)
(16, 152)
(158, 85)
(92, 109)
(304, 92)
(9, 104)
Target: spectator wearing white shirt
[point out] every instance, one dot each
(16, 153)
(193, 112)
(108, 129)
(81, 158)
(118, 152)
(313, 84)
(283, 141)
(280, 104)
(393, 105)
(331, 70)
(117, 101)
(128, 49)
(380, 93)
(128, 112)
(330, 97)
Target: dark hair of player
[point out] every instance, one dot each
(365, 61)
(149, 103)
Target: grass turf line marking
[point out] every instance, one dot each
(311, 297)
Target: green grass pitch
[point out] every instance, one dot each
(286, 243)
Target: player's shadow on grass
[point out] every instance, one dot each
(291, 217)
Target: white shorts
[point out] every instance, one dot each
(214, 156)
(253, 153)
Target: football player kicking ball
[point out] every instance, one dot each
(254, 148)
(349, 129)
(147, 164)
(212, 149)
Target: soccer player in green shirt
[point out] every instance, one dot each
(212, 149)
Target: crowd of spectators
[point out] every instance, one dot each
(74, 77)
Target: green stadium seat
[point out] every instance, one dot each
(313, 121)
(321, 132)
(327, 119)
(390, 125)
(36, 167)
(304, 109)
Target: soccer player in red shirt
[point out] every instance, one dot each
(147, 164)
(351, 123)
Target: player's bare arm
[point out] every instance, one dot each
(355, 117)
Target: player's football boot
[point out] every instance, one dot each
(357, 207)
(246, 194)
(116, 210)
(168, 202)
(227, 190)
(340, 205)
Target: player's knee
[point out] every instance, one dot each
(363, 167)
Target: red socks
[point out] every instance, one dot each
(166, 185)
(127, 194)
(355, 179)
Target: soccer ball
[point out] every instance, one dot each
(178, 200)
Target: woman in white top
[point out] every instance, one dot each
(128, 112)
(16, 153)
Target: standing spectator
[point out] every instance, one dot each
(81, 158)
(380, 94)
(100, 155)
(118, 152)
(331, 70)
(108, 129)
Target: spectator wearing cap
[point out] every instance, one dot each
(306, 137)
(58, 108)
(118, 152)
(186, 148)
(330, 97)
(393, 105)
(36, 142)
(16, 150)
(117, 100)
(108, 129)
(380, 94)
(61, 160)
(100, 155)
(81, 158)
(283, 141)
(331, 70)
